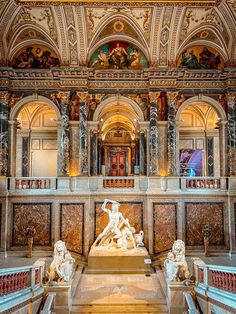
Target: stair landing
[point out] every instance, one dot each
(119, 293)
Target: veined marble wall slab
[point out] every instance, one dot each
(164, 226)
(72, 226)
(198, 214)
(131, 210)
(37, 215)
(1, 225)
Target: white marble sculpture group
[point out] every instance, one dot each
(175, 264)
(62, 266)
(118, 233)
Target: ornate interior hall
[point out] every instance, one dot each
(130, 101)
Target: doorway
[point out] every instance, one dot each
(117, 163)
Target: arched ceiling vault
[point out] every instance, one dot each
(75, 31)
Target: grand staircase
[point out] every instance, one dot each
(120, 293)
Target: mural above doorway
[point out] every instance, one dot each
(118, 55)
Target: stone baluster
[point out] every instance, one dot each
(153, 152)
(4, 97)
(231, 102)
(63, 136)
(83, 155)
(172, 136)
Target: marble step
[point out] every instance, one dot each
(120, 309)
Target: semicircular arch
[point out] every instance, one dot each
(204, 99)
(30, 99)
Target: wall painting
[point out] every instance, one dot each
(118, 55)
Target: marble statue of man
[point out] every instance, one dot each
(116, 221)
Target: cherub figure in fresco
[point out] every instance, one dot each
(102, 59)
(135, 57)
(118, 57)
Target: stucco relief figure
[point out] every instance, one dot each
(118, 233)
(175, 264)
(62, 266)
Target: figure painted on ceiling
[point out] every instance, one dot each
(208, 59)
(190, 60)
(118, 57)
(74, 106)
(36, 58)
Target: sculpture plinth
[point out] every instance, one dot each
(103, 260)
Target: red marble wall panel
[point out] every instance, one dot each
(35, 215)
(198, 214)
(131, 210)
(164, 226)
(72, 226)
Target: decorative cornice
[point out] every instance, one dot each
(136, 3)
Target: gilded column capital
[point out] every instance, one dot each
(83, 96)
(63, 96)
(172, 96)
(231, 97)
(153, 96)
(4, 96)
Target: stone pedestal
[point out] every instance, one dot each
(175, 297)
(63, 299)
(30, 247)
(103, 260)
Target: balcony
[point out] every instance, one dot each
(152, 185)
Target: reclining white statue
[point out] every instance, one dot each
(175, 264)
(118, 233)
(62, 266)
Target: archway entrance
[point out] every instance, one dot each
(199, 143)
(118, 137)
(36, 141)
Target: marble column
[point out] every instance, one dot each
(63, 136)
(163, 149)
(143, 151)
(12, 147)
(25, 164)
(153, 148)
(4, 96)
(223, 147)
(231, 102)
(93, 127)
(172, 136)
(83, 155)
(74, 148)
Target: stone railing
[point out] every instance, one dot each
(49, 304)
(32, 183)
(217, 284)
(20, 285)
(203, 183)
(139, 184)
(118, 183)
(15, 279)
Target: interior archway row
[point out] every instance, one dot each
(119, 135)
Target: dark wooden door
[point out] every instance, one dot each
(117, 164)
